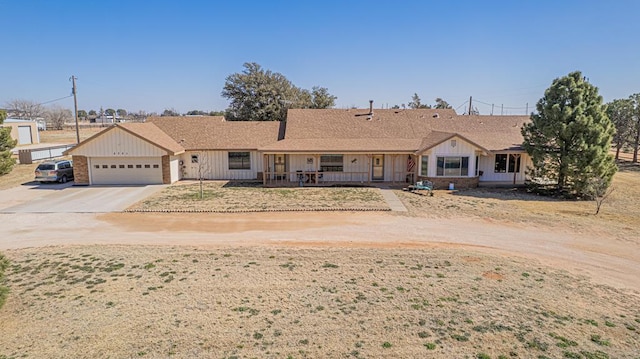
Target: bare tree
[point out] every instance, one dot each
(200, 163)
(25, 109)
(598, 189)
(57, 116)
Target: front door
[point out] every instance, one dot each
(377, 167)
(279, 165)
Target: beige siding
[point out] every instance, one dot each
(356, 167)
(487, 166)
(35, 135)
(215, 166)
(462, 148)
(118, 143)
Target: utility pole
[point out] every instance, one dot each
(470, 100)
(501, 109)
(527, 109)
(491, 109)
(75, 104)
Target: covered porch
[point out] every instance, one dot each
(327, 169)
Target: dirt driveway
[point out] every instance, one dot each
(606, 260)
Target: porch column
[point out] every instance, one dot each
(393, 169)
(369, 169)
(317, 164)
(265, 168)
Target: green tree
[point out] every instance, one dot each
(82, 114)
(635, 100)
(121, 112)
(620, 113)
(416, 102)
(170, 112)
(93, 113)
(6, 144)
(321, 98)
(441, 104)
(570, 137)
(257, 94)
(110, 112)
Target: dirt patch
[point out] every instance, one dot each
(493, 275)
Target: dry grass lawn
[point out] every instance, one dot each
(619, 215)
(68, 135)
(223, 196)
(278, 302)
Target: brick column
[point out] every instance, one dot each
(166, 170)
(80, 170)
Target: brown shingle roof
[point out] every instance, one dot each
(145, 131)
(214, 133)
(347, 130)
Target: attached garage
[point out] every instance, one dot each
(126, 170)
(126, 154)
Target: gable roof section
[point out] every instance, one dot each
(436, 137)
(215, 133)
(145, 131)
(402, 130)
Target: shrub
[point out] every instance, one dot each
(4, 291)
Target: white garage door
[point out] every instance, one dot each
(126, 170)
(24, 135)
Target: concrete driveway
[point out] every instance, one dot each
(66, 198)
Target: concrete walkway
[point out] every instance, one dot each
(392, 200)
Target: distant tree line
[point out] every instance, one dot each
(625, 116)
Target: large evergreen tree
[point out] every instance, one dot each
(570, 137)
(6, 144)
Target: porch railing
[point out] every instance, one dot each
(312, 177)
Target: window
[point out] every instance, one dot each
(138, 166)
(424, 166)
(121, 166)
(331, 163)
(129, 166)
(194, 158)
(507, 163)
(453, 166)
(514, 163)
(239, 161)
(501, 163)
(97, 166)
(147, 166)
(105, 166)
(113, 166)
(156, 166)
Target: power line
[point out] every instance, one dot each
(464, 103)
(58, 99)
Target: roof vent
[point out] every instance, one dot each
(436, 115)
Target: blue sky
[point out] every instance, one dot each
(152, 55)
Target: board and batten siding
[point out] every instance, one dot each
(462, 148)
(487, 166)
(215, 166)
(355, 167)
(119, 143)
